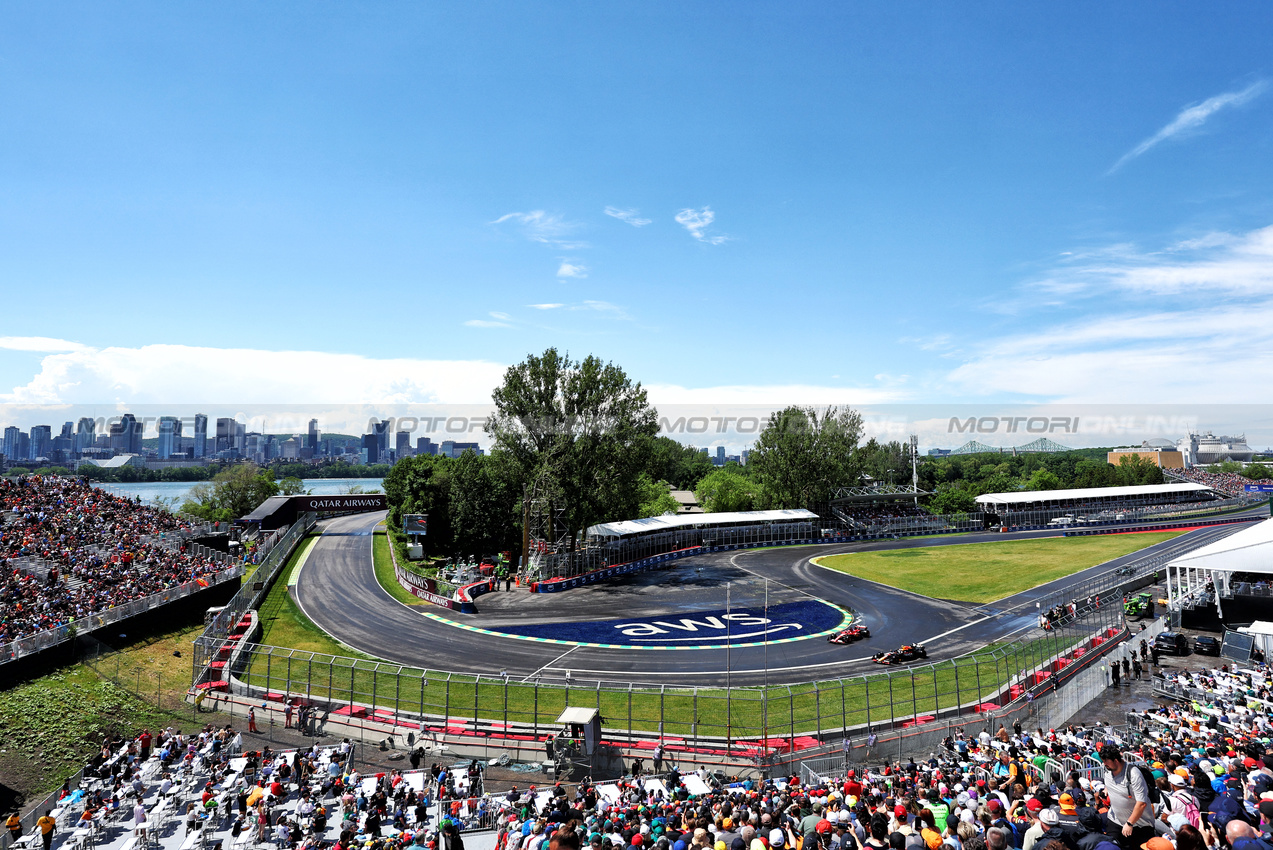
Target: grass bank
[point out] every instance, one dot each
(984, 572)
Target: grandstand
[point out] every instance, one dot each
(71, 552)
(877, 508)
(1229, 483)
(1099, 500)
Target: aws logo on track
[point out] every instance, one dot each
(735, 625)
(721, 627)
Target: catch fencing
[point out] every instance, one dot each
(253, 592)
(754, 723)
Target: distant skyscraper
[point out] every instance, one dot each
(85, 434)
(11, 435)
(371, 445)
(41, 441)
(720, 455)
(313, 436)
(200, 435)
(241, 437)
(125, 435)
(425, 446)
(225, 435)
(402, 444)
(169, 436)
(68, 430)
(381, 430)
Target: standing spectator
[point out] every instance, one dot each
(252, 720)
(1129, 809)
(287, 715)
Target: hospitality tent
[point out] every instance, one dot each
(1247, 551)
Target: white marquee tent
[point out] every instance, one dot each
(1247, 551)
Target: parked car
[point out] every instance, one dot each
(1172, 643)
(1206, 645)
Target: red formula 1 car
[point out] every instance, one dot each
(904, 655)
(857, 631)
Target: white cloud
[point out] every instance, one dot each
(1191, 118)
(545, 306)
(1192, 322)
(770, 397)
(38, 343)
(1219, 264)
(570, 268)
(548, 228)
(630, 216)
(179, 374)
(486, 323)
(696, 221)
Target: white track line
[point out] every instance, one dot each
(550, 663)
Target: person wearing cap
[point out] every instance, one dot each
(1180, 802)
(1036, 829)
(1129, 808)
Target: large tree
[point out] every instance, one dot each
(422, 485)
(803, 454)
(583, 425)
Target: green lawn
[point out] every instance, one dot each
(984, 572)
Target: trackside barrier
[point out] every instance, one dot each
(1125, 529)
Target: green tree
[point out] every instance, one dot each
(1257, 471)
(235, 492)
(726, 490)
(483, 505)
(292, 486)
(655, 498)
(1135, 470)
(681, 466)
(952, 499)
(422, 485)
(1042, 479)
(584, 424)
(803, 454)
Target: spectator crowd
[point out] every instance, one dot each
(1230, 483)
(103, 550)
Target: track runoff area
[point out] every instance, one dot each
(745, 618)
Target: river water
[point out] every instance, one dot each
(180, 489)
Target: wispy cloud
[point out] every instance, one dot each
(630, 216)
(1190, 321)
(545, 306)
(572, 268)
(547, 228)
(1219, 264)
(1192, 117)
(697, 221)
(496, 320)
(38, 343)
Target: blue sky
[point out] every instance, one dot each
(778, 203)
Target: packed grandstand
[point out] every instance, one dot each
(1199, 760)
(1230, 483)
(71, 551)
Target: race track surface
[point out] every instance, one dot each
(704, 601)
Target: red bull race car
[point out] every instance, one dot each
(855, 632)
(904, 655)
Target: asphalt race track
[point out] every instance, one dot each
(745, 617)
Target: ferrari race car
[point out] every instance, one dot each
(857, 631)
(905, 655)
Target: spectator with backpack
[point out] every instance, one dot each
(1131, 811)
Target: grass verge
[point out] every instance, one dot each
(384, 570)
(284, 624)
(984, 572)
